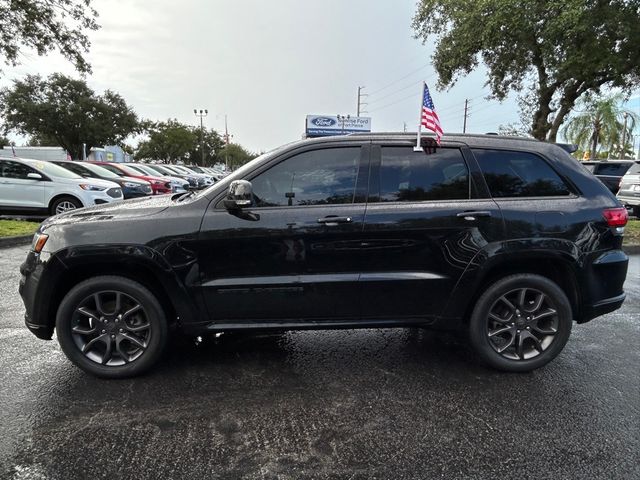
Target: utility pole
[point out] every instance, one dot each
(201, 114)
(405, 126)
(361, 104)
(466, 110)
(226, 142)
(624, 135)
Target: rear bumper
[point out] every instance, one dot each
(629, 200)
(602, 307)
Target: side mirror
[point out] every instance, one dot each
(239, 196)
(34, 176)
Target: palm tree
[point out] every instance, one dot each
(600, 121)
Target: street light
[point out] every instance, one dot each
(201, 114)
(342, 118)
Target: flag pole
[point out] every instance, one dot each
(418, 147)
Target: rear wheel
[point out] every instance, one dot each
(520, 323)
(111, 327)
(64, 204)
(636, 212)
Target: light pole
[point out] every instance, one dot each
(342, 118)
(201, 114)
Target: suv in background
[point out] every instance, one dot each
(609, 172)
(508, 239)
(35, 186)
(159, 185)
(629, 193)
(131, 187)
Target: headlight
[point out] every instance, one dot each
(131, 185)
(39, 239)
(157, 182)
(92, 188)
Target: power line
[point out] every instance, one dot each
(400, 79)
(397, 91)
(413, 95)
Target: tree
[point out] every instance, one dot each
(600, 121)
(46, 26)
(4, 141)
(172, 141)
(556, 50)
(67, 111)
(235, 155)
(213, 143)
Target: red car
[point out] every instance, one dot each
(159, 185)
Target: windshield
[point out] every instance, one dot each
(144, 170)
(52, 170)
(131, 170)
(100, 171)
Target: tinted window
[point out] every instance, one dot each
(616, 169)
(52, 170)
(408, 176)
(519, 174)
(113, 169)
(317, 177)
(74, 168)
(11, 169)
(635, 169)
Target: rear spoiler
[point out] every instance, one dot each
(568, 147)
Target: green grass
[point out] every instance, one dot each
(632, 233)
(12, 228)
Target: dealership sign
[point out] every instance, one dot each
(322, 125)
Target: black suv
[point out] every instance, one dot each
(510, 239)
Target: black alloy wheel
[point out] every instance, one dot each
(111, 327)
(520, 323)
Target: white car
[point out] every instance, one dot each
(42, 187)
(629, 192)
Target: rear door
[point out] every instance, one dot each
(427, 217)
(16, 189)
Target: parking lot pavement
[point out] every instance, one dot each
(362, 404)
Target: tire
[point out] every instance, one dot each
(96, 339)
(636, 212)
(527, 336)
(65, 204)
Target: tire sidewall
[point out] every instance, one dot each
(478, 322)
(155, 314)
(68, 198)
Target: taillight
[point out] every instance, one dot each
(616, 217)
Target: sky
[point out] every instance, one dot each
(266, 65)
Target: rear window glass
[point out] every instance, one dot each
(617, 169)
(519, 174)
(408, 176)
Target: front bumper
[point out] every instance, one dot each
(90, 197)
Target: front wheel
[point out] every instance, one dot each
(65, 204)
(520, 323)
(111, 327)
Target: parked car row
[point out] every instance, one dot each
(622, 178)
(53, 187)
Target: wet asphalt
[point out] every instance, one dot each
(352, 404)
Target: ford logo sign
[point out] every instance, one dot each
(323, 122)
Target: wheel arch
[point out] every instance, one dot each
(559, 268)
(62, 195)
(163, 284)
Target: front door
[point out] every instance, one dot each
(292, 256)
(16, 189)
(424, 224)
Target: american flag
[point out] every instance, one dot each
(430, 118)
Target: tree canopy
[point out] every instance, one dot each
(234, 155)
(172, 141)
(45, 26)
(66, 111)
(553, 52)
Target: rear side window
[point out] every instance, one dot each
(519, 174)
(408, 176)
(615, 169)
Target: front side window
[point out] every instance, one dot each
(10, 169)
(317, 177)
(408, 176)
(519, 174)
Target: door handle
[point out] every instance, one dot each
(334, 220)
(473, 214)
